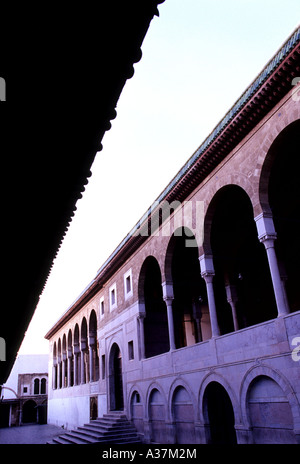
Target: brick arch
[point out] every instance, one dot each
(265, 159)
(191, 241)
(142, 275)
(236, 180)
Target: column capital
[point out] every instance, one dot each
(167, 288)
(231, 293)
(208, 276)
(207, 266)
(265, 227)
(92, 340)
(268, 240)
(168, 300)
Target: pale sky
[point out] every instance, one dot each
(198, 58)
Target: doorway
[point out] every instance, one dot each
(218, 412)
(115, 379)
(29, 412)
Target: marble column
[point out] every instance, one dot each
(208, 272)
(168, 297)
(141, 318)
(267, 235)
(232, 300)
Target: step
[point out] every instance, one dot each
(110, 421)
(108, 428)
(111, 433)
(111, 428)
(114, 415)
(67, 440)
(94, 431)
(81, 436)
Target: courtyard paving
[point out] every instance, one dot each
(29, 434)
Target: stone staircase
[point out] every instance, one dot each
(112, 428)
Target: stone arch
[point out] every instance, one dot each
(136, 408)
(182, 274)
(265, 371)
(216, 191)
(29, 412)
(59, 364)
(36, 386)
(218, 378)
(279, 194)
(64, 362)
(152, 386)
(157, 413)
(43, 386)
(264, 162)
(84, 351)
(180, 382)
(218, 409)
(93, 347)
(183, 411)
(116, 394)
(70, 359)
(76, 350)
(156, 335)
(243, 287)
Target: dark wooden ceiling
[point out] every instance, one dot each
(64, 69)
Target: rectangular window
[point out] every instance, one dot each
(113, 297)
(128, 284)
(102, 306)
(130, 350)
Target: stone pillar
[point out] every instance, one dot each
(75, 368)
(76, 354)
(197, 319)
(168, 299)
(54, 377)
(91, 363)
(208, 272)
(267, 235)
(232, 300)
(69, 368)
(63, 371)
(82, 366)
(141, 318)
(169, 302)
(58, 374)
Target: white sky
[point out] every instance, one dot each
(198, 58)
